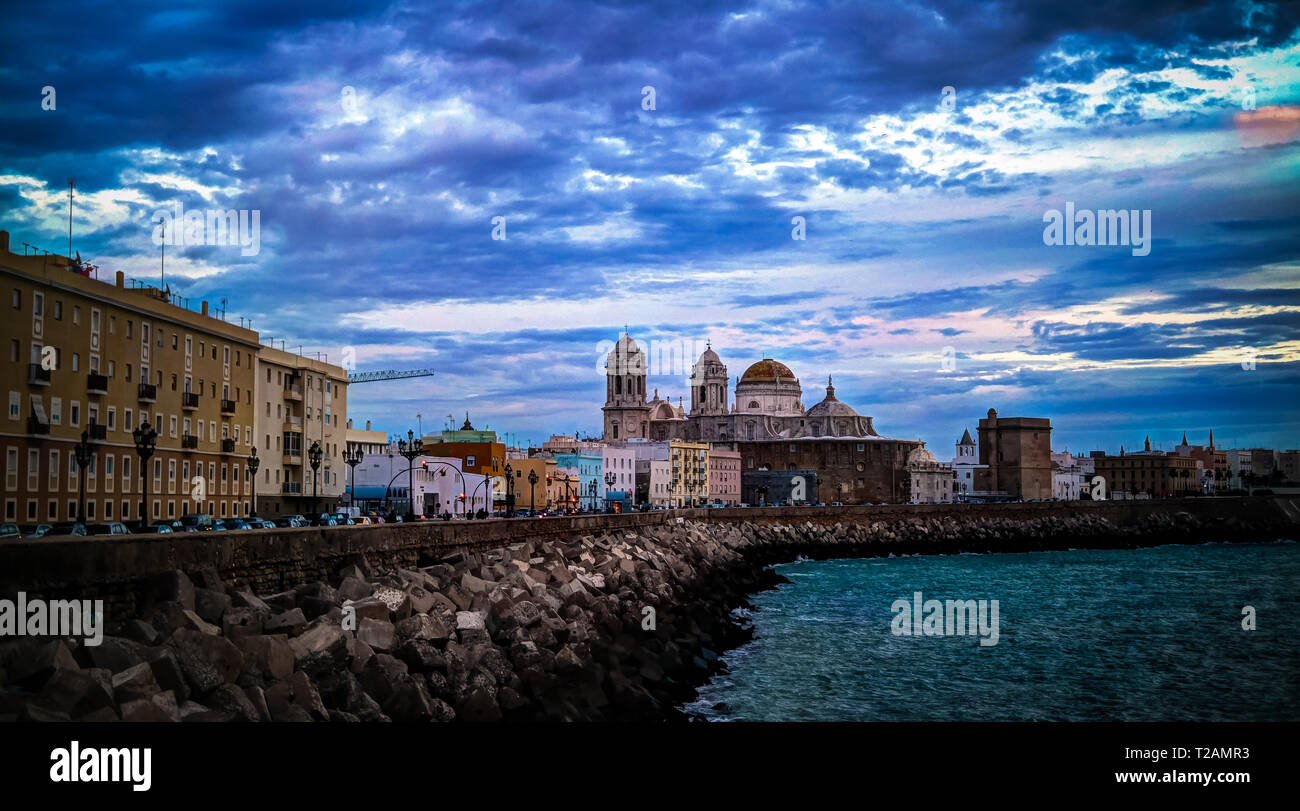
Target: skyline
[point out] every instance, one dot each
(379, 143)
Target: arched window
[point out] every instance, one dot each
(753, 404)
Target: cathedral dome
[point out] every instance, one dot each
(767, 371)
(920, 456)
(626, 357)
(831, 406)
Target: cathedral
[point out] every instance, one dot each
(768, 404)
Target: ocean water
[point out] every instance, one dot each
(1132, 635)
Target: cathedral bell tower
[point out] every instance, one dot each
(709, 391)
(627, 415)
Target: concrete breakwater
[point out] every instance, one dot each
(618, 623)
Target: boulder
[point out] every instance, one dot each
(266, 658)
(380, 635)
(211, 604)
(135, 683)
(423, 627)
(207, 661)
(291, 622)
(34, 668)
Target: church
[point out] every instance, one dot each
(768, 404)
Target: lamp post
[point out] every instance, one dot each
(510, 491)
(352, 459)
(313, 458)
(146, 439)
(253, 464)
(411, 448)
(82, 452)
(591, 492)
(610, 478)
(532, 493)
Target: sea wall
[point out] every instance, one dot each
(599, 617)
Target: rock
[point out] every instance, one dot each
(33, 669)
(266, 658)
(247, 599)
(192, 621)
(211, 604)
(396, 600)
(306, 696)
(231, 698)
(160, 708)
(471, 627)
(207, 661)
(323, 646)
(313, 607)
(237, 622)
(567, 660)
(75, 692)
(409, 701)
(378, 634)
(258, 697)
(174, 586)
(368, 608)
(479, 705)
(382, 675)
(442, 712)
(143, 632)
(421, 656)
(169, 675)
(115, 654)
(422, 601)
(423, 627)
(135, 683)
(291, 622)
(354, 588)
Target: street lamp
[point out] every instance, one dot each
(313, 458)
(411, 448)
(591, 491)
(510, 491)
(82, 452)
(146, 439)
(352, 459)
(253, 463)
(532, 492)
(610, 478)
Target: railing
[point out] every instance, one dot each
(35, 426)
(37, 375)
(227, 406)
(189, 442)
(292, 488)
(293, 392)
(97, 431)
(148, 392)
(96, 383)
(189, 400)
(227, 446)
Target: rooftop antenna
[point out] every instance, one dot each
(72, 184)
(162, 261)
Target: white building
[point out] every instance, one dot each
(1068, 478)
(618, 469)
(964, 465)
(931, 482)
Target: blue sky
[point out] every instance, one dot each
(378, 141)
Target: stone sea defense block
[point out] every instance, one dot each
(34, 668)
(292, 622)
(211, 604)
(75, 692)
(378, 634)
(424, 627)
(135, 683)
(323, 646)
(267, 657)
(207, 661)
(174, 586)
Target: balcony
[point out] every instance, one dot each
(97, 431)
(293, 393)
(189, 401)
(291, 488)
(227, 406)
(292, 424)
(189, 442)
(38, 428)
(96, 384)
(37, 375)
(148, 393)
(291, 458)
(227, 446)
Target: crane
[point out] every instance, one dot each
(387, 374)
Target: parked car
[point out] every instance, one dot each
(285, 521)
(154, 529)
(201, 522)
(236, 523)
(344, 520)
(259, 523)
(33, 530)
(10, 532)
(364, 520)
(67, 528)
(108, 528)
(323, 521)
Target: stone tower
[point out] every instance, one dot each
(710, 394)
(627, 415)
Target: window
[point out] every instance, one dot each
(14, 347)
(76, 361)
(76, 315)
(74, 414)
(18, 299)
(15, 403)
(58, 310)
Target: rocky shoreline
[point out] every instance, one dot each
(619, 625)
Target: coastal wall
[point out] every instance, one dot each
(590, 618)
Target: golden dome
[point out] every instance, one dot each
(767, 371)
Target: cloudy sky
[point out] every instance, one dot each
(649, 161)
